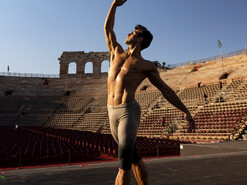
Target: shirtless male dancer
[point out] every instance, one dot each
(126, 72)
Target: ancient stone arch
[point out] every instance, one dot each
(81, 58)
(72, 68)
(87, 68)
(105, 63)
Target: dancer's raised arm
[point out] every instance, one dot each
(110, 36)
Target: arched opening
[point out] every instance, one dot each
(89, 68)
(105, 66)
(72, 68)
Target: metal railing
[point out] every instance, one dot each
(29, 75)
(193, 62)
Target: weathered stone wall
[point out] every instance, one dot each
(78, 86)
(81, 58)
(21, 86)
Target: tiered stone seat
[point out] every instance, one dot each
(63, 120)
(239, 91)
(196, 94)
(216, 121)
(90, 113)
(74, 104)
(7, 119)
(10, 104)
(145, 99)
(45, 104)
(162, 121)
(99, 104)
(92, 121)
(32, 119)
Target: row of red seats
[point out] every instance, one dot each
(39, 144)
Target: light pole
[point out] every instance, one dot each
(7, 78)
(221, 56)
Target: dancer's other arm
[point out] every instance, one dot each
(171, 96)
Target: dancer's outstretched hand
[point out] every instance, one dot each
(191, 123)
(119, 2)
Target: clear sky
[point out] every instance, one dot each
(34, 33)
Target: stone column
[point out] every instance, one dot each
(80, 68)
(96, 66)
(63, 68)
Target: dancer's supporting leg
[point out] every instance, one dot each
(123, 177)
(141, 173)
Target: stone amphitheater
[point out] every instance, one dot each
(65, 107)
(85, 107)
(56, 120)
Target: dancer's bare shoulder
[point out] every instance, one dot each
(149, 67)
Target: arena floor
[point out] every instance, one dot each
(214, 169)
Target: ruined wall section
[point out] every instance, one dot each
(79, 84)
(81, 58)
(31, 86)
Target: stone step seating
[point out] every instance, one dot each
(99, 104)
(144, 99)
(63, 120)
(228, 88)
(225, 106)
(220, 121)
(74, 104)
(81, 103)
(209, 72)
(7, 119)
(45, 104)
(240, 92)
(160, 121)
(32, 119)
(10, 104)
(198, 93)
(202, 137)
(92, 121)
(235, 83)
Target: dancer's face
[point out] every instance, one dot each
(132, 38)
